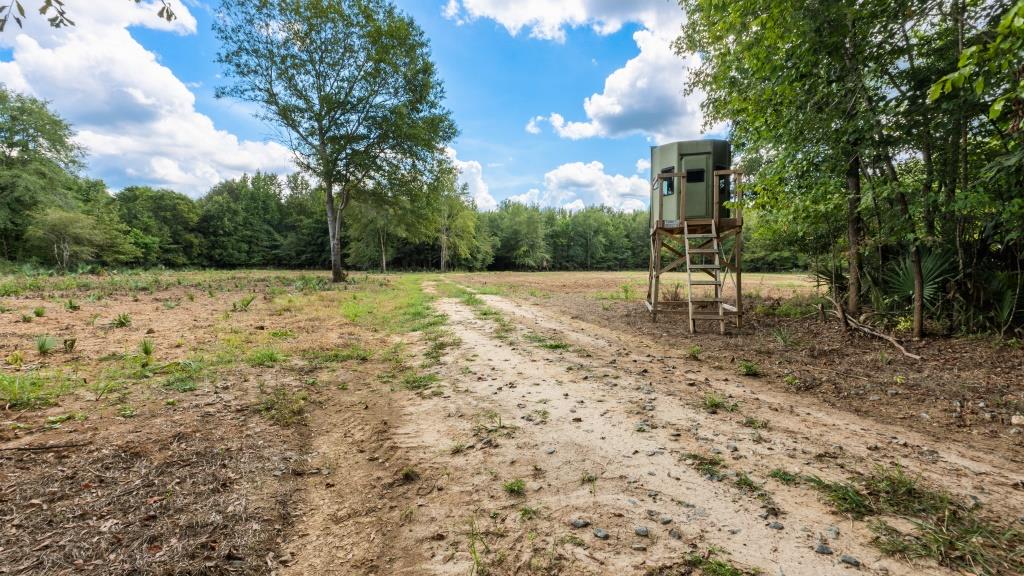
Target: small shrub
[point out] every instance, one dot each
(122, 320)
(783, 336)
(282, 334)
(45, 344)
(26, 318)
(16, 358)
(791, 380)
(39, 311)
(126, 411)
(748, 368)
(69, 345)
(515, 487)
(72, 306)
(694, 352)
(146, 347)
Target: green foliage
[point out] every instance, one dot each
(515, 487)
(122, 320)
(45, 344)
(748, 368)
(243, 304)
(263, 357)
(715, 402)
(32, 389)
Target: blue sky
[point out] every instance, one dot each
(556, 102)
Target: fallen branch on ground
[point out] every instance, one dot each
(851, 323)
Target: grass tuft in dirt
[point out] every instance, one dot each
(122, 320)
(748, 368)
(338, 355)
(709, 565)
(263, 358)
(715, 402)
(282, 406)
(787, 478)
(546, 342)
(45, 344)
(711, 467)
(515, 487)
(33, 389)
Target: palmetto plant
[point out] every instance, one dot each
(898, 281)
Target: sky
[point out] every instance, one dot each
(557, 101)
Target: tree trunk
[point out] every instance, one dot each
(383, 252)
(853, 223)
(334, 233)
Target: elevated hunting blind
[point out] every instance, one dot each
(693, 214)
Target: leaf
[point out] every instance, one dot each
(21, 9)
(935, 91)
(997, 108)
(979, 85)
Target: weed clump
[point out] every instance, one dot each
(515, 487)
(748, 368)
(283, 407)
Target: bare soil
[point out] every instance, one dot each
(600, 414)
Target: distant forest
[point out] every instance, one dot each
(50, 216)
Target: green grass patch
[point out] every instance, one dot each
(712, 403)
(264, 358)
(748, 368)
(546, 342)
(515, 487)
(416, 382)
(787, 478)
(34, 388)
(352, 352)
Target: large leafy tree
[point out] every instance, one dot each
(38, 159)
(351, 85)
(164, 224)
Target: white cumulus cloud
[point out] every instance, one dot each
(136, 119)
(645, 96)
(578, 184)
(533, 126)
(471, 173)
(643, 165)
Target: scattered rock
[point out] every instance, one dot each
(1017, 420)
(550, 450)
(732, 447)
(823, 549)
(849, 560)
(776, 526)
(600, 534)
(675, 534)
(665, 520)
(639, 547)
(833, 532)
(579, 523)
(642, 531)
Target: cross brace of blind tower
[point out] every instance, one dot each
(698, 225)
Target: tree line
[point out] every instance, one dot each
(885, 141)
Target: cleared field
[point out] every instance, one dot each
(265, 422)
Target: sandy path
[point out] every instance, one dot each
(513, 410)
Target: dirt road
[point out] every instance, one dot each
(556, 446)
